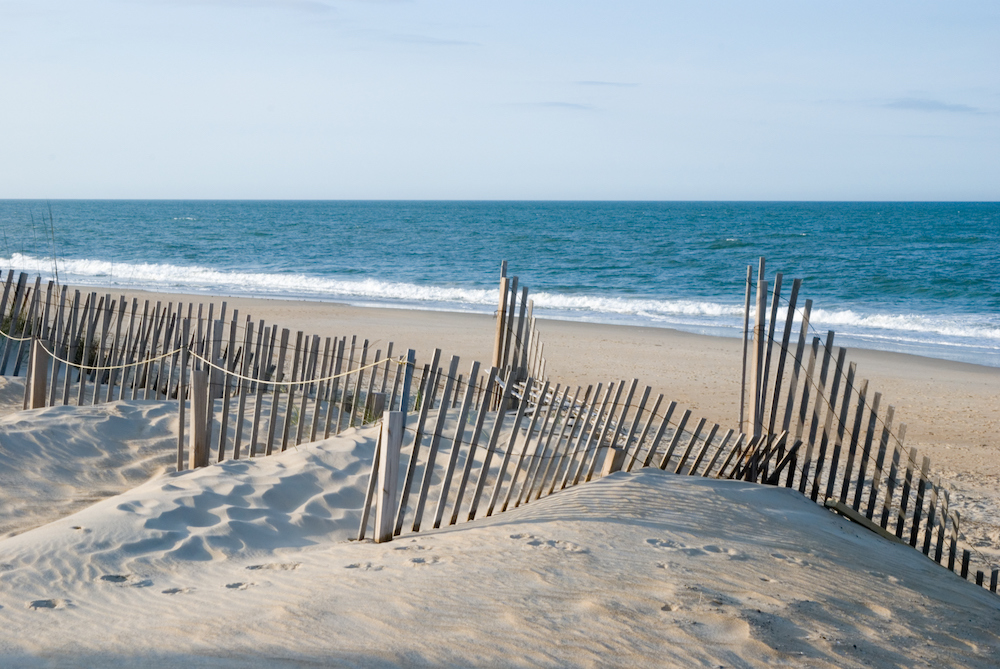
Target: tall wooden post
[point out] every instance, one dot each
(39, 374)
(758, 353)
(388, 475)
(199, 418)
(746, 331)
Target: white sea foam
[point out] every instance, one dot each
(951, 330)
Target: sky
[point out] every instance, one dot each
(479, 99)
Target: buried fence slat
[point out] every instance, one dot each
(718, 452)
(785, 340)
(5, 334)
(243, 388)
(817, 407)
(13, 321)
(407, 376)
(736, 450)
(418, 436)
(358, 382)
(942, 526)
(953, 540)
(263, 369)
(634, 425)
(28, 323)
(331, 405)
(904, 497)
(746, 341)
(660, 431)
(690, 446)
(769, 342)
(966, 554)
(537, 457)
(484, 469)
(619, 424)
(365, 415)
(456, 444)
(214, 355)
(796, 371)
(373, 483)
(757, 360)
(831, 411)
(993, 580)
(877, 473)
(177, 343)
(226, 385)
(286, 425)
(541, 459)
(432, 449)
(866, 450)
(70, 352)
(693, 471)
(645, 432)
(116, 346)
(522, 405)
(579, 421)
(485, 399)
(930, 524)
(918, 503)
(552, 465)
(603, 415)
(58, 344)
(845, 410)
(309, 387)
(525, 445)
(85, 359)
(579, 439)
(675, 439)
(98, 374)
(120, 376)
(347, 378)
(890, 483)
(279, 376)
(324, 371)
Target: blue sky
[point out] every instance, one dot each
(478, 99)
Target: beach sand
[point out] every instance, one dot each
(248, 563)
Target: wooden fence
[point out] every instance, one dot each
(467, 446)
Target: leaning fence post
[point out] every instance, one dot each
(39, 374)
(404, 397)
(181, 390)
(199, 418)
(388, 475)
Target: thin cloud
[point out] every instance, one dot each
(430, 41)
(563, 105)
(927, 105)
(310, 6)
(612, 84)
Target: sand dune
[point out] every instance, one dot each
(109, 558)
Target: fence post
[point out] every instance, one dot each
(199, 418)
(746, 332)
(181, 388)
(613, 459)
(388, 475)
(404, 397)
(39, 374)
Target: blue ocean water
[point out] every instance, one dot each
(913, 277)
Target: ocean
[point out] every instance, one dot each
(918, 278)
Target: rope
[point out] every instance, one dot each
(105, 368)
(231, 374)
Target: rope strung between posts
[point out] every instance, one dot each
(400, 361)
(209, 363)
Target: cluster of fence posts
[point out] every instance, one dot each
(516, 346)
(476, 460)
(851, 458)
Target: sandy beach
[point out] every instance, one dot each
(249, 563)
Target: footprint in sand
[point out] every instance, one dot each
(418, 561)
(279, 566)
(789, 558)
(239, 586)
(364, 566)
(127, 581)
(558, 544)
(177, 591)
(41, 604)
